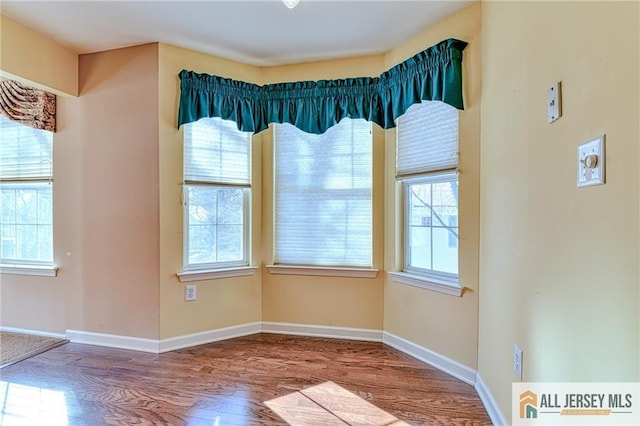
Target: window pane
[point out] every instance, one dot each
(445, 258)
(8, 242)
(27, 241)
(323, 195)
(27, 222)
(27, 205)
(432, 225)
(420, 246)
(45, 237)
(420, 205)
(45, 207)
(8, 207)
(202, 244)
(229, 243)
(216, 224)
(230, 206)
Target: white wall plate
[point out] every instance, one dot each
(554, 102)
(591, 162)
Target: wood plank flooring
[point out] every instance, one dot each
(228, 383)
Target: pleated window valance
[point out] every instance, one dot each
(27, 105)
(434, 74)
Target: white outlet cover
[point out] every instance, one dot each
(190, 293)
(596, 175)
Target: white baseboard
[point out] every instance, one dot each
(496, 416)
(331, 332)
(441, 362)
(114, 341)
(210, 336)
(33, 332)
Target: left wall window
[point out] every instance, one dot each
(217, 178)
(26, 189)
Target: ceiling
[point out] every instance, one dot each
(254, 32)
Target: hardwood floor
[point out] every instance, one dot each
(229, 382)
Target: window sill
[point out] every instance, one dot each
(214, 274)
(430, 283)
(40, 271)
(324, 271)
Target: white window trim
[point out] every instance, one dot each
(438, 284)
(215, 274)
(324, 271)
(196, 268)
(223, 269)
(34, 270)
(429, 275)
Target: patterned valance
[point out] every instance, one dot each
(27, 105)
(314, 106)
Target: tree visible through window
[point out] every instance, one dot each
(432, 234)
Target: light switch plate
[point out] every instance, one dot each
(595, 175)
(517, 361)
(554, 100)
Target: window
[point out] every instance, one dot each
(323, 210)
(426, 166)
(432, 224)
(217, 177)
(26, 206)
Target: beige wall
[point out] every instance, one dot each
(52, 304)
(118, 115)
(445, 324)
(29, 56)
(221, 302)
(38, 303)
(41, 303)
(559, 265)
(105, 206)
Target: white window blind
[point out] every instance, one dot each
(323, 195)
(25, 152)
(427, 139)
(216, 152)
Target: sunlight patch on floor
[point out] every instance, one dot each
(329, 404)
(31, 405)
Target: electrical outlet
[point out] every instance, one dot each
(517, 361)
(190, 293)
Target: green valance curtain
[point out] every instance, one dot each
(315, 106)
